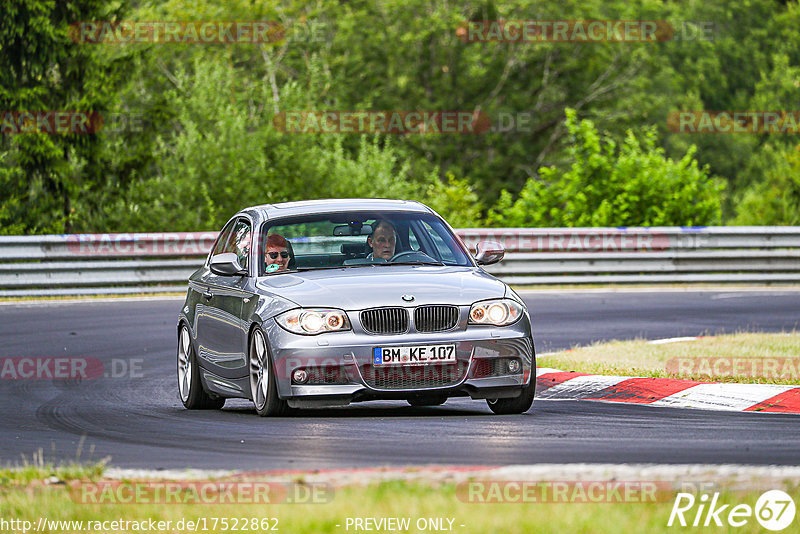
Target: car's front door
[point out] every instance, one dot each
(221, 332)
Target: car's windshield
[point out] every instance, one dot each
(357, 239)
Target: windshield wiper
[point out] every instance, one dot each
(324, 267)
(371, 264)
(412, 262)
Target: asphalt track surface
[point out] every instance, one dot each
(139, 422)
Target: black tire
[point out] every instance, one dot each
(190, 387)
(427, 401)
(516, 405)
(263, 394)
(519, 404)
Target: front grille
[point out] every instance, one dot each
(333, 374)
(435, 318)
(385, 320)
(414, 376)
(488, 367)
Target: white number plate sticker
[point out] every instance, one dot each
(416, 355)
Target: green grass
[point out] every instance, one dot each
(762, 358)
(387, 499)
(37, 469)
(21, 476)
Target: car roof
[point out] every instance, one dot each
(333, 205)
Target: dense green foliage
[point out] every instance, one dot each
(776, 199)
(43, 175)
(606, 185)
(204, 143)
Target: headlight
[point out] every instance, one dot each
(313, 321)
(499, 312)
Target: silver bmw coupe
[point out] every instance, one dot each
(328, 302)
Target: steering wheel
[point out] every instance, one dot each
(410, 253)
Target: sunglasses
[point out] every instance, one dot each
(283, 253)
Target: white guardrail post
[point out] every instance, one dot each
(160, 262)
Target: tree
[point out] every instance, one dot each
(48, 177)
(223, 153)
(632, 184)
(776, 199)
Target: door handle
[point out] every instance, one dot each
(207, 294)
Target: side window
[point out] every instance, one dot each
(412, 241)
(240, 241)
(224, 237)
(445, 252)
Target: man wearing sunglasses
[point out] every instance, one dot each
(277, 253)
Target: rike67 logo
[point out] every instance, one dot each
(774, 510)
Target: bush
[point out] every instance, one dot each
(776, 199)
(224, 153)
(633, 184)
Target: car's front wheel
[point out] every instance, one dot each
(515, 405)
(263, 388)
(190, 388)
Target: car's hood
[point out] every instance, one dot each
(355, 288)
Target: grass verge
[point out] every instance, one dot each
(417, 501)
(742, 357)
(40, 471)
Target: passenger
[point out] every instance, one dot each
(382, 240)
(278, 253)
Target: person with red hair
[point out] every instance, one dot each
(278, 252)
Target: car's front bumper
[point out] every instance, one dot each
(350, 353)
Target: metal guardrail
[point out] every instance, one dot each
(158, 262)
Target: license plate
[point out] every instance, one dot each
(414, 355)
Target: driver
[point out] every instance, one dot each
(277, 253)
(382, 240)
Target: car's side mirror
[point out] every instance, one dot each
(489, 252)
(226, 264)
